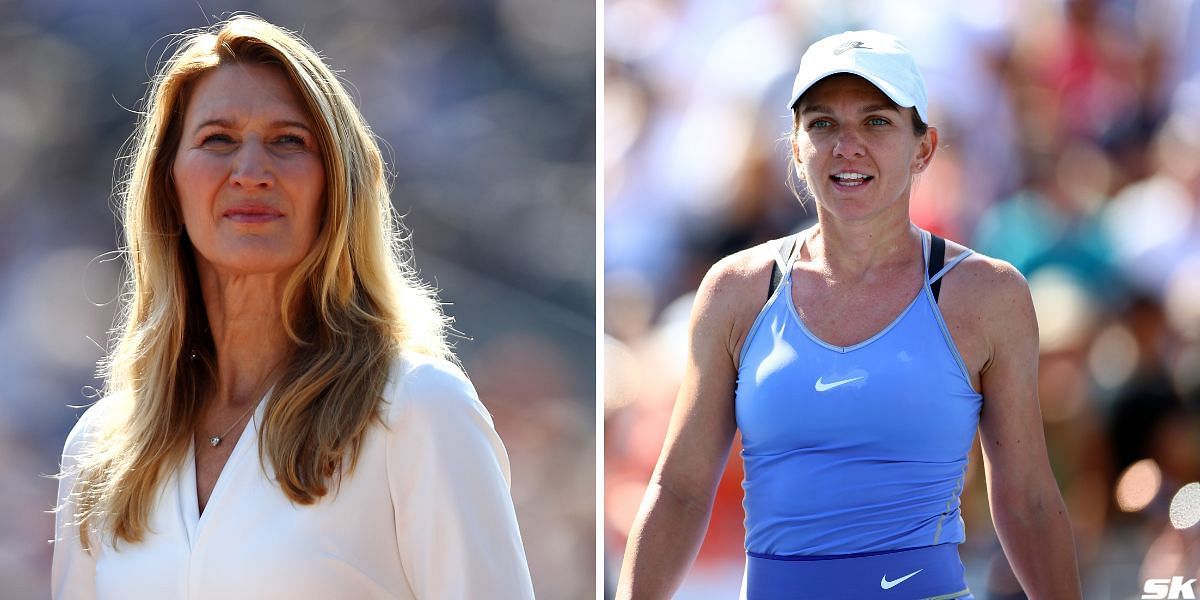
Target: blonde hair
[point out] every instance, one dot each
(352, 304)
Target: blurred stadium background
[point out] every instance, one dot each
(488, 113)
(1070, 137)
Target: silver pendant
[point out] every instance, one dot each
(214, 440)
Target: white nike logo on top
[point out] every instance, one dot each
(887, 585)
(821, 386)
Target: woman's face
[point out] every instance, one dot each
(248, 171)
(857, 150)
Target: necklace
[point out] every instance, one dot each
(215, 440)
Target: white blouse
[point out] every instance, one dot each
(426, 514)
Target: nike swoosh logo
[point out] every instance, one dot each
(821, 386)
(887, 585)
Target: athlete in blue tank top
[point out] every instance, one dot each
(886, 419)
(857, 359)
(886, 422)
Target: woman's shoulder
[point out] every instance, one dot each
(91, 423)
(747, 266)
(431, 386)
(988, 292)
(729, 299)
(742, 276)
(980, 274)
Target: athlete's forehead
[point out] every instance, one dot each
(844, 89)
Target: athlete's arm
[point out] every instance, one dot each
(674, 515)
(1027, 508)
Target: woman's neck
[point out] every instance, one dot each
(853, 250)
(246, 322)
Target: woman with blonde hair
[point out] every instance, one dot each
(271, 310)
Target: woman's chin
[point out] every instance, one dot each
(853, 209)
(249, 261)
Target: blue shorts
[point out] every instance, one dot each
(928, 573)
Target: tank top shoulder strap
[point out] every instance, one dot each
(936, 265)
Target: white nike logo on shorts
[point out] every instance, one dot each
(821, 386)
(887, 585)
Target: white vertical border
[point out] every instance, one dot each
(600, 572)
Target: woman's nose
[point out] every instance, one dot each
(848, 144)
(252, 166)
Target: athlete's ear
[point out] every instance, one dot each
(926, 148)
(796, 150)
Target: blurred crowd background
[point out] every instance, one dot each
(1070, 147)
(487, 112)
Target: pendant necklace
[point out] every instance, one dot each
(215, 440)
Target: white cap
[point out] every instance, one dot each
(877, 57)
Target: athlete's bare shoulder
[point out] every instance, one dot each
(987, 305)
(733, 292)
(985, 279)
(737, 274)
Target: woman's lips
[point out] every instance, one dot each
(851, 180)
(252, 214)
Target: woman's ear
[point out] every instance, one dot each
(925, 150)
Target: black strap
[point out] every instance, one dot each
(937, 259)
(786, 246)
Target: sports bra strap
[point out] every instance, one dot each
(783, 256)
(937, 258)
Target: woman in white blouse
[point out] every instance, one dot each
(282, 416)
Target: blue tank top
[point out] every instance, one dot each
(853, 449)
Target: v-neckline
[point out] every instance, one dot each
(194, 521)
(795, 310)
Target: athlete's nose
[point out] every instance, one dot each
(848, 144)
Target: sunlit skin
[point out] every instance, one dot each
(855, 273)
(250, 180)
(847, 125)
(248, 172)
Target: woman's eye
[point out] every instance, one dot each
(819, 124)
(877, 121)
(290, 140)
(216, 139)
